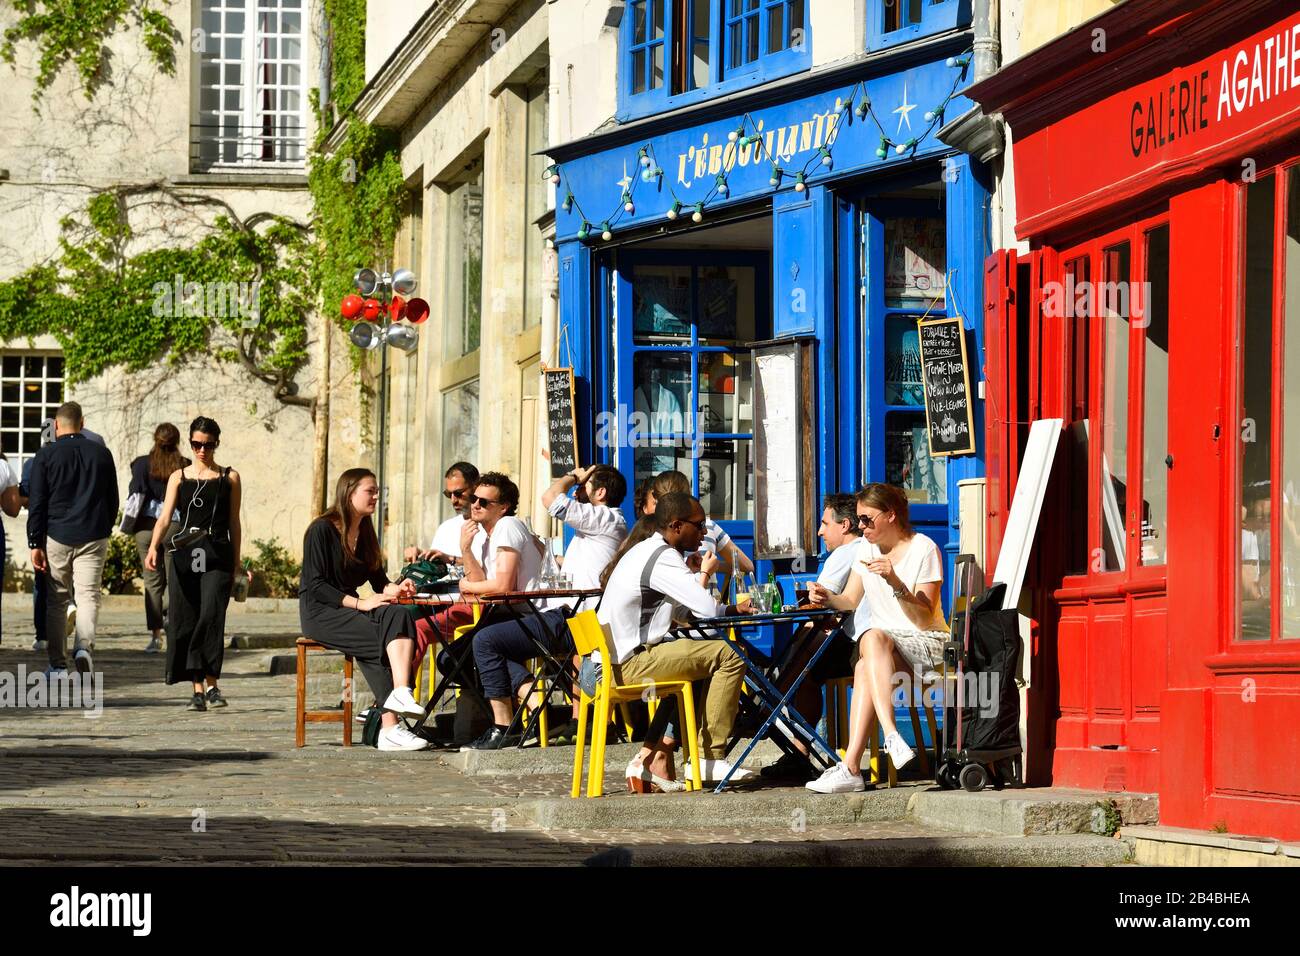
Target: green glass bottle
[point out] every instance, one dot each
(773, 592)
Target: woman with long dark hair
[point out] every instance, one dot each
(202, 556)
(149, 474)
(340, 552)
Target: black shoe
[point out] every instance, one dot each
(215, 699)
(790, 767)
(197, 702)
(494, 738)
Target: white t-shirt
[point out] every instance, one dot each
(510, 532)
(715, 539)
(8, 478)
(834, 576)
(447, 538)
(599, 530)
(643, 597)
(919, 564)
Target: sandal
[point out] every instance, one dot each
(640, 779)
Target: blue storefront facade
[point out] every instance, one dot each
(777, 202)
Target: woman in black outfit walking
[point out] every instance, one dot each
(340, 552)
(200, 572)
(149, 474)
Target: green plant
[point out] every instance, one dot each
(78, 31)
(1106, 818)
(121, 565)
(17, 579)
(275, 572)
(1220, 826)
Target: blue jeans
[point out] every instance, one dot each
(501, 649)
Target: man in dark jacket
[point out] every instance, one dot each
(70, 515)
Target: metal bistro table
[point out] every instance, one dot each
(822, 621)
(517, 604)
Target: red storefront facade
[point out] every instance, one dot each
(1157, 181)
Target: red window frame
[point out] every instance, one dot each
(1277, 642)
(1093, 250)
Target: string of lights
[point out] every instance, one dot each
(857, 103)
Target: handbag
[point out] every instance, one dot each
(131, 512)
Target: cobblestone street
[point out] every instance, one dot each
(149, 781)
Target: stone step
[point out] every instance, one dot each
(936, 850)
(1032, 812)
(747, 804)
(1175, 846)
(515, 761)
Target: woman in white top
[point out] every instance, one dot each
(898, 574)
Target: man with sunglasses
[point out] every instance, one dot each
(457, 484)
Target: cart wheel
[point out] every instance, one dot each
(946, 776)
(974, 777)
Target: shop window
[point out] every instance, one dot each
(1077, 275)
(251, 88)
(1155, 400)
(1268, 487)
(464, 288)
(31, 391)
(891, 22)
(676, 52)
(691, 380)
(459, 430)
(1113, 302)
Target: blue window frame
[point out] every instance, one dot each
(891, 22)
(646, 46)
(677, 52)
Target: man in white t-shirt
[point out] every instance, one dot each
(599, 528)
(507, 558)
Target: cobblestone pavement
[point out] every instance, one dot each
(146, 780)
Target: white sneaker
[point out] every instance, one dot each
(713, 770)
(83, 661)
(899, 752)
(38, 645)
(154, 646)
(837, 779)
(401, 702)
(398, 737)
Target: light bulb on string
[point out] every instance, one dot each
(864, 107)
(737, 135)
(883, 149)
(584, 230)
(628, 206)
(568, 202)
(698, 215)
(799, 184)
(775, 179)
(826, 157)
(605, 232)
(721, 185)
(902, 148)
(643, 156)
(673, 210)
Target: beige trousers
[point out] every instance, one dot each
(76, 574)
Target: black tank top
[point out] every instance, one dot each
(205, 503)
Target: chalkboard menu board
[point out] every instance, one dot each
(561, 420)
(946, 381)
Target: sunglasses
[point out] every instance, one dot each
(867, 520)
(203, 445)
(456, 493)
(699, 524)
(483, 502)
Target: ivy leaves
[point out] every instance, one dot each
(77, 32)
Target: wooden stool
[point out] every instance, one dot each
(322, 716)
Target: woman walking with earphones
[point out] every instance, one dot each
(203, 557)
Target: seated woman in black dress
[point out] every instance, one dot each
(339, 552)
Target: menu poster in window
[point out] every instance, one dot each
(946, 380)
(561, 420)
(784, 524)
(910, 466)
(915, 256)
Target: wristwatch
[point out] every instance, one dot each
(899, 592)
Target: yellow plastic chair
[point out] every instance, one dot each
(431, 656)
(589, 636)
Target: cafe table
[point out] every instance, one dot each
(810, 623)
(516, 605)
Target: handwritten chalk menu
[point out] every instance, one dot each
(561, 421)
(946, 381)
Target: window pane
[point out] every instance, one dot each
(1077, 276)
(1155, 401)
(459, 429)
(1256, 347)
(726, 302)
(775, 28)
(794, 23)
(1291, 416)
(1114, 307)
(902, 362)
(465, 268)
(638, 23)
(726, 480)
(913, 11)
(638, 71)
(656, 456)
(893, 15)
(751, 39)
(916, 253)
(661, 395)
(726, 391)
(656, 19)
(734, 52)
(661, 303)
(656, 66)
(907, 459)
(702, 31)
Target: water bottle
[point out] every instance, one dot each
(240, 592)
(773, 593)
